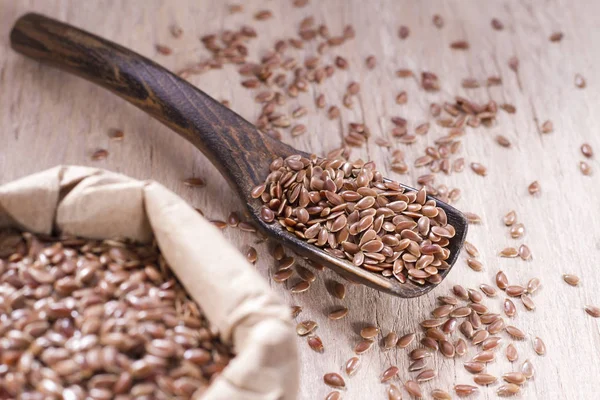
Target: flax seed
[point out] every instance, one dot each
(316, 344)
(99, 155)
(460, 45)
(413, 389)
(439, 394)
(479, 169)
(585, 168)
(306, 327)
(352, 366)
(371, 62)
(363, 346)
(572, 280)
(334, 380)
(511, 353)
(338, 313)
(406, 340)
(485, 379)
(465, 390)
(438, 21)
(527, 369)
(593, 311)
(497, 24)
(556, 37)
(389, 373)
(587, 150)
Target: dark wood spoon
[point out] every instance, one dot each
(236, 147)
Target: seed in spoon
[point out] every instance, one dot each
(334, 380)
(539, 346)
(511, 353)
(352, 366)
(572, 280)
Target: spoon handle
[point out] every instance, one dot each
(234, 146)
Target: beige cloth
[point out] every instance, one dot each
(95, 203)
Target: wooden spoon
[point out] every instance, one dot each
(236, 147)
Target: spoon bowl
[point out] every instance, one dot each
(236, 147)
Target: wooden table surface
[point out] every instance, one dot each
(48, 117)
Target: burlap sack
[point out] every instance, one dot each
(95, 203)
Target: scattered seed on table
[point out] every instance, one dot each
(509, 389)
(439, 394)
(116, 134)
(579, 81)
(501, 280)
(300, 287)
(527, 369)
(263, 15)
(406, 340)
(513, 63)
(479, 169)
(363, 346)
(369, 332)
(470, 83)
(305, 274)
(465, 390)
(514, 290)
(305, 327)
(403, 32)
(556, 37)
(164, 50)
(587, 150)
(335, 395)
(447, 349)
(509, 108)
(438, 21)
(515, 332)
(484, 379)
(518, 378)
(460, 45)
(298, 130)
(283, 275)
(99, 155)
(497, 24)
(585, 168)
(338, 313)
(341, 62)
(404, 73)
(334, 380)
(528, 302)
(389, 373)
(390, 340)
(474, 264)
(461, 347)
(488, 290)
(533, 285)
(539, 346)
(572, 280)
(511, 353)
(509, 308)
(592, 310)
(547, 127)
(235, 8)
(426, 375)
(352, 366)
(472, 218)
(337, 290)
(401, 98)
(510, 218)
(503, 141)
(251, 255)
(194, 182)
(394, 392)
(371, 62)
(295, 311)
(474, 367)
(419, 353)
(471, 249)
(509, 252)
(315, 343)
(496, 326)
(524, 252)
(413, 389)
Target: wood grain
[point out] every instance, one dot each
(49, 117)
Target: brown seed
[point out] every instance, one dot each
(352, 366)
(337, 290)
(524, 252)
(474, 264)
(509, 308)
(460, 347)
(341, 62)
(517, 231)
(496, 326)
(460, 292)
(403, 32)
(439, 394)
(432, 323)
(460, 45)
(488, 290)
(283, 275)
(556, 37)
(371, 62)
(587, 150)
(338, 313)
(509, 252)
(296, 310)
(419, 353)
(426, 375)
(116, 134)
(585, 168)
(515, 290)
(413, 389)
(509, 389)
(465, 390)
(406, 340)
(572, 280)
(442, 311)
(447, 349)
(363, 346)
(394, 392)
(484, 357)
(527, 369)
(510, 218)
(335, 395)
(401, 98)
(369, 332)
(466, 329)
(333, 112)
(315, 343)
(534, 187)
(461, 312)
(593, 311)
(390, 340)
(251, 255)
(484, 379)
(471, 249)
(257, 191)
(480, 336)
(430, 343)
(503, 141)
(479, 169)
(509, 108)
(263, 15)
(528, 302)
(438, 21)
(491, 343)
(501, 280)
(474, 367)
(164, 50)
(305, 274)
(497, 25)
(511, 353)
(513, 63)
(470, 83)
(389, 373)
(547, 127)
(515, 332)
(334, 380)
(100, 154)
(298, 130)
(300, 287)
(219, 224)
(539, 346)
(514, 377)
(306, 327)
(579, 81)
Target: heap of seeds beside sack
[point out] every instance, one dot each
(101, 320)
